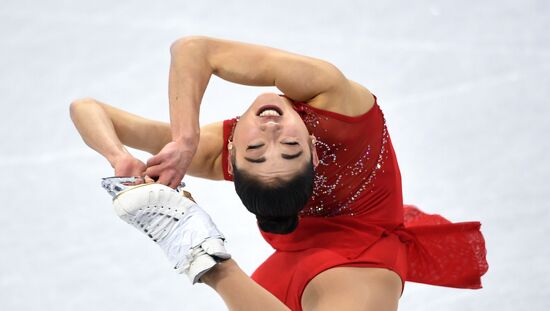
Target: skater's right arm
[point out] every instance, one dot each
(108, 130)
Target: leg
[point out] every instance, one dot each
(190, 240)
(238, 290)
(350, 288)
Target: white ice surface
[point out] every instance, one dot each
(465, 87)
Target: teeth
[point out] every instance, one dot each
(270, 113)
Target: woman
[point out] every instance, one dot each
(340, 232)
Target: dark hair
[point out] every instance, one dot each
(276, 204)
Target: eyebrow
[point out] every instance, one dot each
(283, 155)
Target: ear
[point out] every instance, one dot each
(314, 155)
(229, 155)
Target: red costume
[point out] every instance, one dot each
(356, 216)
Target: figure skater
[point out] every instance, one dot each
(316, 166)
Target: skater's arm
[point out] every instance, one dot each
(238, 290)
(107, 130)
(94, 122)
(195, 59)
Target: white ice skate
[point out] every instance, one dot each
(173, 220)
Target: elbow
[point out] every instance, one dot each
(182, 45)
(79, 105)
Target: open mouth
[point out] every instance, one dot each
(269, 111)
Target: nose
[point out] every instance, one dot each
(270, 127)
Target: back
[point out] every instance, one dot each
(358, 172)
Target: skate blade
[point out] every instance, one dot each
(116, 185)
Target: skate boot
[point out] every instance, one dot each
(171, 218)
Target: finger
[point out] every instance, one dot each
(138, 172)
(176, 180)
(165, 179)
(153, 172)
(174, 183)
(155, 160)
(148, 179)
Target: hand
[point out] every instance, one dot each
(171, 163)
(127, 165)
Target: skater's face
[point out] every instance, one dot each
(271, 141)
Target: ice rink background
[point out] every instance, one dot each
(464, 86)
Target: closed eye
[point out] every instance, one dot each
(252, 147)
(291, 156)
(291, 143)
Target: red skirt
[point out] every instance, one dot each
(426, 249)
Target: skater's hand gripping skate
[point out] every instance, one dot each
(170, 165)
(127, 165)
(184, 231)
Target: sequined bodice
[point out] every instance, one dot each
(357, 173)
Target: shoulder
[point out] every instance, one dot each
(206, 162)
(349, 98)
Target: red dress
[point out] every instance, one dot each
(356, 216)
